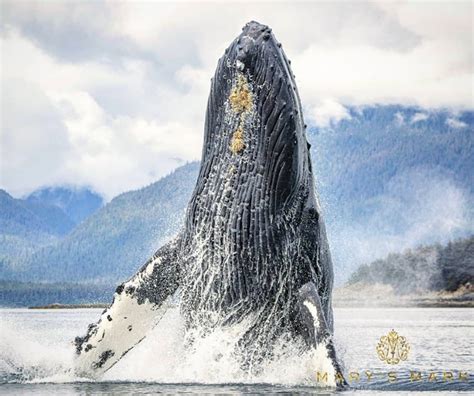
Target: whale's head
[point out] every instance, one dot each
(255, 147)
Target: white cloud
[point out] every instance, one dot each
(379, 76)
(121, 150)
(417, 117)
(78, 141)
(33, 139)
(399, 118)
(124, 82)
(24, 60)
(455, 123)
(327, 112)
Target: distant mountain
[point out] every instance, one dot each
(390, 178)
(26, 226)
(42, 219)
(77, 203)
(358, 157)
(422, 269)
(18, 217)
(113, 242)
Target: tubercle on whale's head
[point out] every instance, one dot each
(254, 114)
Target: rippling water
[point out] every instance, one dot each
(36, 356)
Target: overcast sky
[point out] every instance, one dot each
(112, 95)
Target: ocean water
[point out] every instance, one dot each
(36, 356)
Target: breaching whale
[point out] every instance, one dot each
(253, 246)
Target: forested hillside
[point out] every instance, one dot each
(389, 177)
(41, 219)
(25, 226)
(19, 294)
(114, 242)
(425, 268)
(357, 158)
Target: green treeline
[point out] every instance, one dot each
(425, 268)
(22, 294)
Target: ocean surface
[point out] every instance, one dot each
(36, 356)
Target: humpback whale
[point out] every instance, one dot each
(254, 245)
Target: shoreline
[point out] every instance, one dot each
(384, 296)
(408, 304)
(68, 306)
(358, 295)
(336, 305)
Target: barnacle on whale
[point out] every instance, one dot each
(237, 142)
(240, 97)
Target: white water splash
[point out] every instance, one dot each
(163, 357)
(31, 359)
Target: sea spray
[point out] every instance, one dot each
(26, 357)
(165, 356)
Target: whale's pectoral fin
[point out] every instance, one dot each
(137, 306)
(317, 333)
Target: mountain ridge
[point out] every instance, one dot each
(386, 183)
(31, 223)
(76, 202)
(114, 241)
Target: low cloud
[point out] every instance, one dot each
(399, 118)
(455, 123)
(417, 117)
(420, 206)
(327, 113)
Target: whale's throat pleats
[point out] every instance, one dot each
(244, 253)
